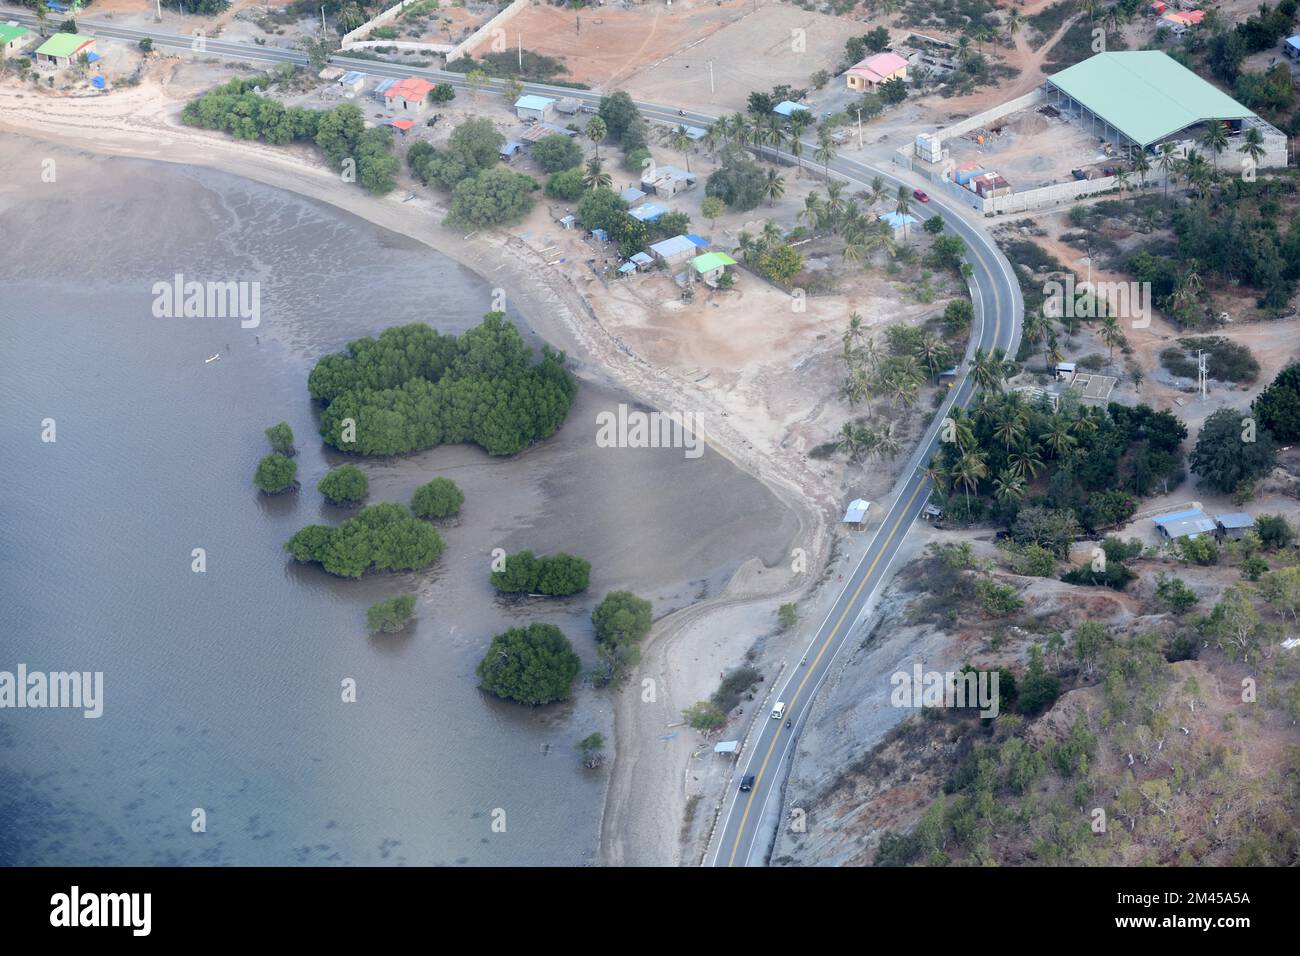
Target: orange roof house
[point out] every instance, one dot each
(409, 94)
(874, 70)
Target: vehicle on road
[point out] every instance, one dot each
(747, 782)
(778, 710)
(920, 195)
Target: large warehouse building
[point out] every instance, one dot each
(1143, 98)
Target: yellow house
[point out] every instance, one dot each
(874, 70)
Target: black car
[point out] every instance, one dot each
(747, 782)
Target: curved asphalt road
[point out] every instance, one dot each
(750, 819)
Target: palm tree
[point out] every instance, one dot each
(745, 245)
(681, 141)
(849, 440)
(795, 146)
(854, 332)
(597, 131)
(870, 352)
(1111, 334)
(773, 186)
(1215, 139)
(1253, 145)
(825, 151)
(934, 472)
(963, 48)
(887, 443)
(1142, 166)
(932, 350)
(968, 470)
(834, 203)
(877, 188)
(1009, 427)
(771, 234)
(1025, 462)
(1167, 162)
(1008, 486)
(595, 177)
(813, 209)
(902, 206)
(988, 369)
(1014, 23)
(1057, 438)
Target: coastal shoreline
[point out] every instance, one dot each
(142, 123)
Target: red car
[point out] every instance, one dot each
(920, 196)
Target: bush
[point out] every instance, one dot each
(439, 498)
(734, 686)
(392, 615)
(413, 388)
(532, 665)
(442, 93)
(997, 598)
(281, 438)
(275, 473)
(557, 575)
(384, 537)
(635, 161)
(1202, 550)
(345, 485)
(621, 620)
(1274, 531)
(566, 185)
(1174, 594)
(787, 616)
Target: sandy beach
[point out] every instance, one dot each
(686, 651)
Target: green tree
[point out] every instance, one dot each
(591, 748)
(383, 537)
(276, 473)
(494, 197)
(281, 438)
(557, 152)
(1277, 408)
(738, 181)
(711, 208)
(532, 665)
(345, 485)
(1231, 449)
(621, 622)
(391, 615)
(704, 716)
(596, 132)
(787, 616)
(439, 498)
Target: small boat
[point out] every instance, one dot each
(212, 358)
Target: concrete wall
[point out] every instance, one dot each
(487, 29)
(388, 16)
(408, 45)
(1053, 195)
(988, 116)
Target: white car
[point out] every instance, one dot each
(779, 710)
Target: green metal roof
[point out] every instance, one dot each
(711, 260)
(1145, 94)
(63, 44)
(8, 33)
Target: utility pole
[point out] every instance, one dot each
(859, 127)
(322, 20)
(710, 77)
(158, 18)
(1202, 372)
(519, 37)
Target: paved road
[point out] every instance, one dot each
(749, 819)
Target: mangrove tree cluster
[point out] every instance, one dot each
(413, 388)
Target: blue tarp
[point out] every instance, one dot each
(98, 82)
(699, 241)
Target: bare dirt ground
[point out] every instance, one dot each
(1031, 150)
(603, 45)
